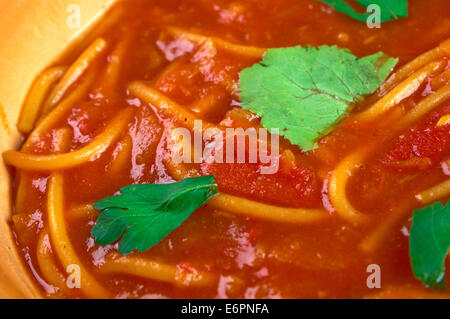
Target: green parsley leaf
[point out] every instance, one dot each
(389, 9)
(304, 92)
(145, 214)
(429, 243)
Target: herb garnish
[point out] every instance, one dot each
(429, 243)
(145, 214)
(304, 92)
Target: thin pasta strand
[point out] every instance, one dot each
(444, 120)
(380, 233)
(180, 172)
(440, 80)
(60, 239)
(337, 187)
(76, 70)
(46, 263)
(36, 96)
(23, 180)
(60, 110)
(433, 54)
(426, 105)
(82, 211)
(112, 75)
(166, 107)
(122, 155)
(75, 158)
(440, 191)
(250, 208)
(401, 91)
(154, 270)
(62, 140)
(245, 50)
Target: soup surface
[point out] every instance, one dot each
(180, 49)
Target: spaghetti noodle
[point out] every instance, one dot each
(71, 159)
(74, 73)
(38, 92)
(225, 45)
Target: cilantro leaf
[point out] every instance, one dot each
(429, 243)
(389, 9)
(304, 92)
(145, 214)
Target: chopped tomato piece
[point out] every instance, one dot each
(296, 186)
(422, 146)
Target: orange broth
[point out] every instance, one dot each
(251, 258)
